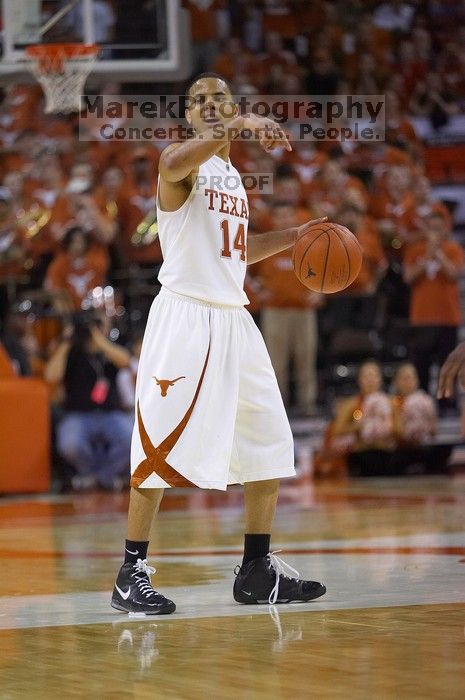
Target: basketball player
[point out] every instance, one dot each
(208, 408)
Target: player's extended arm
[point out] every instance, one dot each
(263, 245)
(180, 159)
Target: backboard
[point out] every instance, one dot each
(145, 40)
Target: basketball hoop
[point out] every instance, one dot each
(62, 70)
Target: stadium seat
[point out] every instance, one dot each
(25, 435)
(6, 366)
(445, 163)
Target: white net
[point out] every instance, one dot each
(62, 78)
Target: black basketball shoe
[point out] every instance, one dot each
(268, 580)
(134, 593)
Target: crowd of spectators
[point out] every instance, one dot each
(71, 211)
(376, 433)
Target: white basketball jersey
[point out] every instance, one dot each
(204, 241)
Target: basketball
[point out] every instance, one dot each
(327, 258)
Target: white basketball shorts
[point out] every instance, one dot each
(208, 409)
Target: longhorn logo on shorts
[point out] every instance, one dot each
(155, 456)
(165, 384)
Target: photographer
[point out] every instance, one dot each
(94, 434)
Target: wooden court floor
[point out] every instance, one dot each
(392, 625)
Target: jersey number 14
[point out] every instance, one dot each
(239, 241)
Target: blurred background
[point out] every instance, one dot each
(79, 256)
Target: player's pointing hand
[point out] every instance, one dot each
(270, 134)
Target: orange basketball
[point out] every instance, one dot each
(327, 258)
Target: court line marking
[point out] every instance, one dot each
(351, 584)
(401, 550)
(358, 624)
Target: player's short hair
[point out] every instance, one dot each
(208, 74)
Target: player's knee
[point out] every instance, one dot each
(267, 487)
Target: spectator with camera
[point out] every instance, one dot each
(94, 434)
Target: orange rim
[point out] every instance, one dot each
(52, 56)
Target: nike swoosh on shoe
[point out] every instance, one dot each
(124, 595)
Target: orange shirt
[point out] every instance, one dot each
(37, 240)
(11, 253)
(282, 20)
(64, 214)
(108, 205)
(373, 257)
(305, 166)
(276, 66)
(319, 191)
(77, 277)
(399, 213)
(311, 16)
(133, 205)
(105, 154)
(12, 161)
(365, 156)
(22, 105)
(401, 130)
(261, 217)
(418, 215)
(127, 156)
(203, 18)
(253, 289)
(245, 64)
(280, 286)
(259, 214)
(435, 300)
(382, 207)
